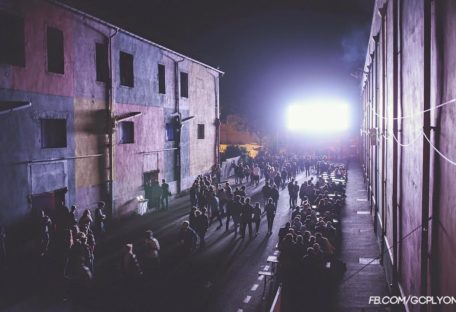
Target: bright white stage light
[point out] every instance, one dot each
(319, 116)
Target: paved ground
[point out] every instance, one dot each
(358, 241)
(224, 276)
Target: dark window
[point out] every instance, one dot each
(161, 79)
(126, 69)
(184, 84)
(11, 40)
(55, 53)
(170, 131)
(53, 133)
(102, 62)
(126, 131)
(200, 131)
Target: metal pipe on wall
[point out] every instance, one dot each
(383, 13)
(435, 268)
(427, 18)
(400, 231)
(109, 124)
(375, 126)
(178, 163)
(395, 145)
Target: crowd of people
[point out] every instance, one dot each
(211, 200)
(66, 245)
(309, 242)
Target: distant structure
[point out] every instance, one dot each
(409, 149)
(234, 132)
(90, 112)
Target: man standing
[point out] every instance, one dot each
(236, 213)
(150, 248)
(290, 191)
(164, 194)
(275, 195)
(214, 209)
(229, 210)
(270, 210)
(44, 226)
(202, 224)
(246, 218)
(266, 192)
(187, 238)
(100, 218)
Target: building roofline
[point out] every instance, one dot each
(98, 20)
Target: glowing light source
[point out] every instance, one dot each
(319, 116)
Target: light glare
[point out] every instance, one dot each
(318, 116)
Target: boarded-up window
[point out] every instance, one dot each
(11, 40)
(200, 131)
(102, 62)
(126, 132)
(55, 51)
(53, 133)
(161, 79)
(184, 84)
(126, 69)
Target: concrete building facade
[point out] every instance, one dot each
(90, 112)
(409, 109)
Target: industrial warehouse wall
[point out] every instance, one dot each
(390, 87)
(27, 168)
(83, 165)
(203, 105)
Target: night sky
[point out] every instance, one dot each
(273, 52)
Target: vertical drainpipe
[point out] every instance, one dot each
(426, 148)
(435, 270)
(375, 124)
(395, 145)
(178, 163)
(400, 231)
(370, 126)
(382, 12)
(367, 126)
(217, 123)
(110, 124)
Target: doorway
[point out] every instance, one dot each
(49, 202)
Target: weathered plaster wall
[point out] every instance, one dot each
(202, 99)
(78, 97)
(412, 97)
(91, 171)
(132, 160)
(445, 249)
(442, 247)
(34, 77)
(145, 60)
(20, 142)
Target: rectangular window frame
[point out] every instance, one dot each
(183, 84)
(161, 76)
(50, 127)
(126, 69)
(122, 127)
(55, 53)
(101, 62)
(201, 132)
(12, 52)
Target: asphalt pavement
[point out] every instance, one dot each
(223, 276)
